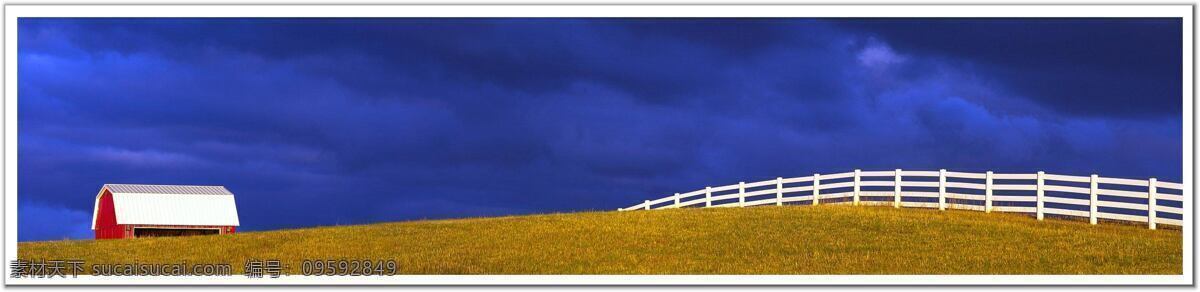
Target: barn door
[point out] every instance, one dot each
(160, 232)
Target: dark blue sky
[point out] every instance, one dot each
(341, 121)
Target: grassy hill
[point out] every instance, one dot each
(758, 240)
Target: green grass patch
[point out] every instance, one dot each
(757, 240)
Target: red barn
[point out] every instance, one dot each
(129, 211)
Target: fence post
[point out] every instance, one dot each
(676, 200)
(896, 197)
(1094, 198)
(987, 192)
(647, 202)
(1150, 212)
(1040, 193)
(942, 189)
(741, 194)
(857, 173)
(707, 197)
(816, 188)
(778, 191)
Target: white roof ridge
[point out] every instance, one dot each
(168, 189)
(112, 184)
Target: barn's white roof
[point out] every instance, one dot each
(170, 205)
(168, 189)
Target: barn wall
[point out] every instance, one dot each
(106, 219)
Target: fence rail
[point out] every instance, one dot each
(1144, 201)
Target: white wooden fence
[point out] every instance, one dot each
(1145, 201)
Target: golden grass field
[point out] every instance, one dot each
(759, 240)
